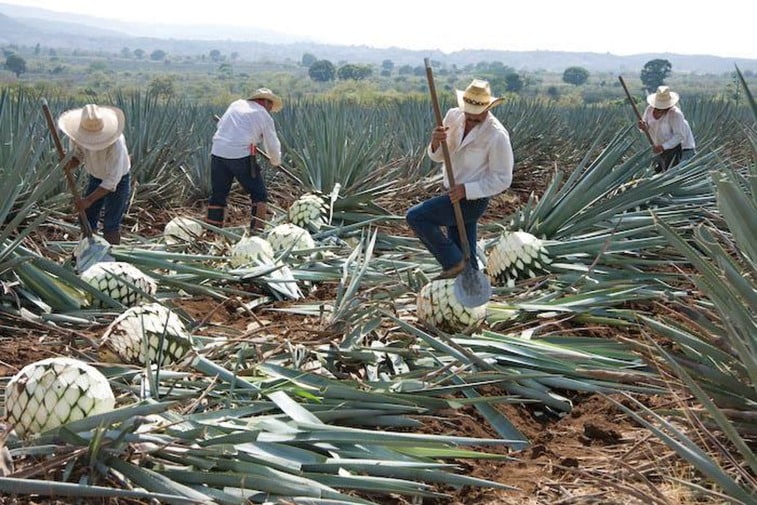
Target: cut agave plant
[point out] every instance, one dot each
(438, 307)
(54, 391)
(149, 333)
(288, 235)
(310, 211)
(250, 250)
(516, 255)
(121, 281)
(182, 229)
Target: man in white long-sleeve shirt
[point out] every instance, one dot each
(244, 125)
(482, 165)
(97, 140)
(670, 132)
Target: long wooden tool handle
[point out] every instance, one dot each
(86, 228)
(633, 104)
(448, 163)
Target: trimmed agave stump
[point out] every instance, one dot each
(182, 229)
(54, 391)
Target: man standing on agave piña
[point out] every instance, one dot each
(96, 135)
(482, 165)
(244, 125)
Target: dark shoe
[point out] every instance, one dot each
(452, 272)
(113, 237)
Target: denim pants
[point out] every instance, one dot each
(223, 171)
(113, 205)
(428, 218)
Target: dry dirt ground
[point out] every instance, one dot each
(594, 455)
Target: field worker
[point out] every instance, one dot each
(482, 166)
(244, 125)
(96, 138)
(671, 134)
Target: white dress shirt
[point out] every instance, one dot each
(482, 161)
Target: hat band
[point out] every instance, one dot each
(470, 101)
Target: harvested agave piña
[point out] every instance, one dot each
(310, 211)
(517, 255)
(182, 229)
(149, 333)
(250, 250)
(288, 235)
(121, 281)
(54, 391)
(438, 306)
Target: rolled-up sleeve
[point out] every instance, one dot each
(271, 142)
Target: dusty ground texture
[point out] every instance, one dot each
(594, 455)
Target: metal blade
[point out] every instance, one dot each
(472, 288)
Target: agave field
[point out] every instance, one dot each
(320, 363)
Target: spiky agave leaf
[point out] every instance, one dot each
(120, 281)
(438, 307)
(53, 391)
(517, 255)
(149, 333)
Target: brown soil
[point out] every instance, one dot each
(594, 455)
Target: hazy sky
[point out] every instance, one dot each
(722, 28)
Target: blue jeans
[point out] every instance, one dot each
(113, 205)
(428, 218)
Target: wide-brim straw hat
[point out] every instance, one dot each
(267, 94)
(477, 97)
(663, 98)
(93, 127)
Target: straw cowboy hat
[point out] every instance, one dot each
(267, 94)
(93, 127)
(477, 97)
(663, 98)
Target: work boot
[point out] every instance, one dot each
(452, 272)
(113, 237)
(257, 222)
(215, 215)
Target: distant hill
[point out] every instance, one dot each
(29, 26)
